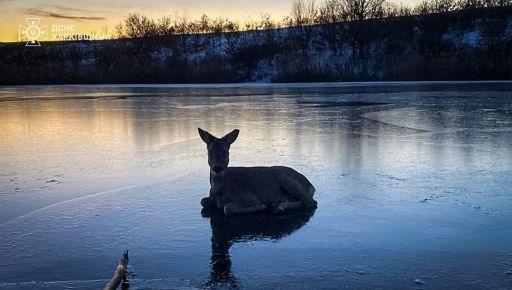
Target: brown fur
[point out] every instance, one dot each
(237, 190)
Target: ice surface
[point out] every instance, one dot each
(413, 184)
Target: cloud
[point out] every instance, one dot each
(58, 14)
(63, 8)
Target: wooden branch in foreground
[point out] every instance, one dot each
(119, 274)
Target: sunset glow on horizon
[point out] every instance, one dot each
(101, 17)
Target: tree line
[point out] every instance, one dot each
(365, 44)
(302, 13)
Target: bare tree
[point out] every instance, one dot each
(363, 9)
(218, 25)
(182, 27)
(304, 12)
(181, 23)
(204, 25)
(231, 26)
(358, 11)
(396, 10)
(497, 3)
(443, 5)
(435, 6)
(423, 7)
(332, 11)
(137, 25)
(120, 31)
(268, 26)
(469, 4)
(164, 26)
(303, 15)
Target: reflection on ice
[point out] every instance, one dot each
(230, 231)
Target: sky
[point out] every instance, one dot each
(88, 16)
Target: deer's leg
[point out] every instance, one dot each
(233, 208)
(287, 205)
(207, 203)
(294, 188)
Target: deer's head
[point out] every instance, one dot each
(218, 150)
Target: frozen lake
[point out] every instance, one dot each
(414, 186)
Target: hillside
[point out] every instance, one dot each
(464, 45)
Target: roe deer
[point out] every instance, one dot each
(237, 190)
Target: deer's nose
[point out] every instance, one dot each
(218, 169)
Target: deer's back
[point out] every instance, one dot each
(264, 183)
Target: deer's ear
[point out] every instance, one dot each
(231, 137)
(207, 137)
